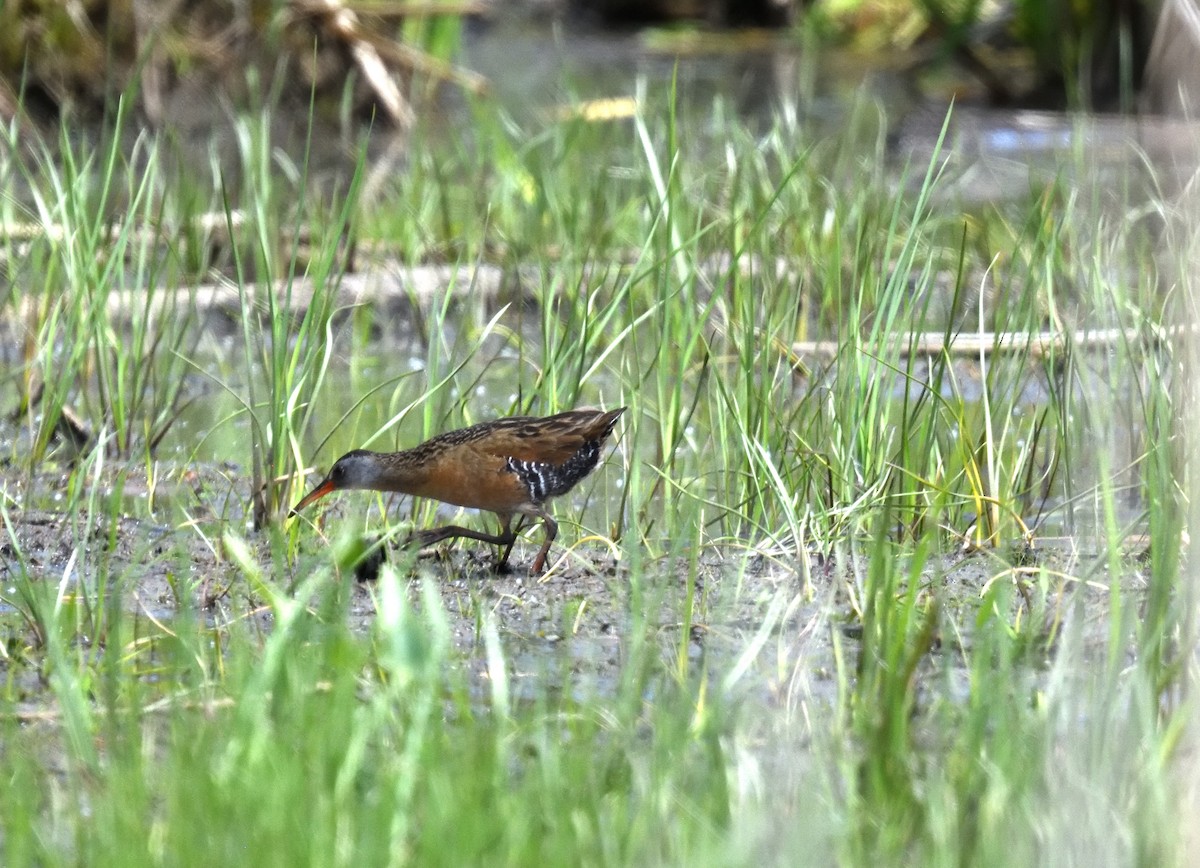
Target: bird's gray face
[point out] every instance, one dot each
(357, 469)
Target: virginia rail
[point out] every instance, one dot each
(510, 466)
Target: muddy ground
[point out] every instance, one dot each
(781, 613)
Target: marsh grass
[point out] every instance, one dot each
(907, 715)
(97, 212)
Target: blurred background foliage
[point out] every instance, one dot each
(363, 57)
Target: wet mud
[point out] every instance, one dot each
(761, 623)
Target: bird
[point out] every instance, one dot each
(509, 466)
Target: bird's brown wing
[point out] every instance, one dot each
(552, 439)
(530, 445)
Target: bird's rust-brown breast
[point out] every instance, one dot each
(467, 475)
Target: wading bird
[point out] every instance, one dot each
(510, 466)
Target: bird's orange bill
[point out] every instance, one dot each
(316, 494)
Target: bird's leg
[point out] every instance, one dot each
(516, 532)
(551, 532)
(453, 531)
(507, 537)
(506, 528)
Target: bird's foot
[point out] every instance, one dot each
(368, 567)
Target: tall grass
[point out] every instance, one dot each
(105, 338)
(286, 343)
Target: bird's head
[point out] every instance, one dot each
(357, 469)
